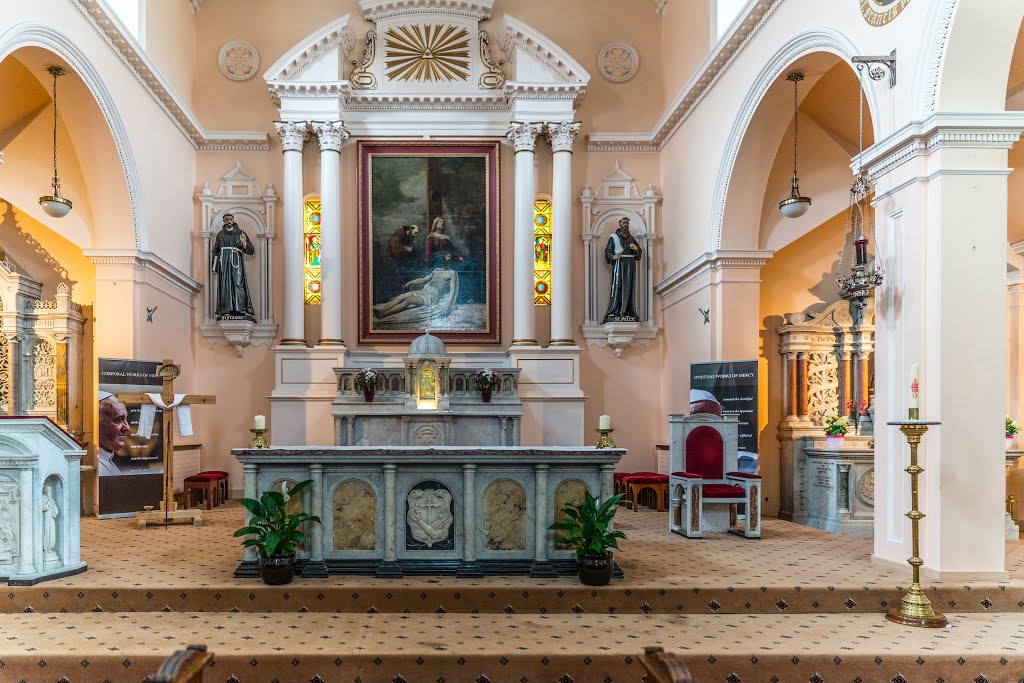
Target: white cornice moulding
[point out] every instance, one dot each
(517, 35)
(375, 10)
(712, 261)
(147, 262)
(995, 130)
(134, 57)
(696, 89)
(312, 47)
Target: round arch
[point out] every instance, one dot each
(35, 35)
(960, 73)
(817, 40)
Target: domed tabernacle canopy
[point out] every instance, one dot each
(427, 346)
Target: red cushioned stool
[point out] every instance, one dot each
(207, 483)
(657, 484)
(223, 483)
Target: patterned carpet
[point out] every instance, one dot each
(792, 570)
(798, 605)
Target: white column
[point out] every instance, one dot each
(293, 135)
(250, 473)
(561, 136)
(332, 136)
(524, 139)
(943, 305)
(27, 538)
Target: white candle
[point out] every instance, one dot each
(259, 422)
(605, 422)
(915, 385)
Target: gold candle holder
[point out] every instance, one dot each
(258, 441)
(605, 441)
(915, 608)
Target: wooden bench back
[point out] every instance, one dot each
(184, 666)
(665, 667)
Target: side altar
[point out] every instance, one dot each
(427, 403)
(405, 510)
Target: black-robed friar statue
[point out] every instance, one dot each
(230, 248)
(622, 253)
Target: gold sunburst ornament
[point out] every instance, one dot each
(429, 52)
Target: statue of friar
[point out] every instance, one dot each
(622, 253)
(230, 248)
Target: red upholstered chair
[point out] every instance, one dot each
(704, 462)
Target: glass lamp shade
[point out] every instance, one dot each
(794, 205)
(55, 205)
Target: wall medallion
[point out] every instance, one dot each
(866, 487)
(427, 52)
(881, 12)
(618, 62)
(238, 60)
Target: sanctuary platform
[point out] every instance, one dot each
(796, 604)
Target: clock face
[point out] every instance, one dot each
(881, 12)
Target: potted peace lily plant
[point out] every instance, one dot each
(586, 528)
(835, 430)
(369, 380)
(1012, 430)
(275, 533)
(485, 381)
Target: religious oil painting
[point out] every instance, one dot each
(429, 239)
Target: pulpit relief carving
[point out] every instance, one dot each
(430, 518)
(10, 520)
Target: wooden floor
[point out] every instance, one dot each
(798, 605)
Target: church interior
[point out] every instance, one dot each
(410, 341)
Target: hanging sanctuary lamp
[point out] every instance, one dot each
(864, 276)
(55, 205)
(795, 205)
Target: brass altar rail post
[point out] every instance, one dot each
(915, 609)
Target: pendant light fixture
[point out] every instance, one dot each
(55, 205)
(795, 205)
(860, 223)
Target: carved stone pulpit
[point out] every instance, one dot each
(40, 502)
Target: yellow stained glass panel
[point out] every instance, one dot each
(542, 252)
(311, 250)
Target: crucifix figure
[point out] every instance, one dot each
(169, 403)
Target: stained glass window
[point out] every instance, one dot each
(311, 249)
(542, 252)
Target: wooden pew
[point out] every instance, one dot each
(184, 666)
(665, 667)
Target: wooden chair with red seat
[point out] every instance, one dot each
(704, 458)
(207, 483)
(222, 483)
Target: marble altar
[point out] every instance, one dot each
(427, 403)
(837, 486)
(40, 504)
(430, 510)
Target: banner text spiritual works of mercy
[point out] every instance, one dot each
(130, 466)
(733, 385)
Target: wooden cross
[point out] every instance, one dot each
(168, 372)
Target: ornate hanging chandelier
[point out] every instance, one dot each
(55, 205)
(795, 205)
(864, 276)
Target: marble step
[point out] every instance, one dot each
(496, 648)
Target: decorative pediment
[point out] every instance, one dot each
(427, 55)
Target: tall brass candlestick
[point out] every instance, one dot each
(915, 608)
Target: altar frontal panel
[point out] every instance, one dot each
(429, 241)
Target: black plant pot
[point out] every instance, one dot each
(595, 570)
(277, 570)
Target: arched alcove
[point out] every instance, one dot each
(569, 492)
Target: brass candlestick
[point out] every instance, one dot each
(258, 441)
(605, 441)
(915, 609)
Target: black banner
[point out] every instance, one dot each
(130, 466)
(733, 386)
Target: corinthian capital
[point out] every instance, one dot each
(562, 135)
(293, 134)
(523, 136)
(332, 134)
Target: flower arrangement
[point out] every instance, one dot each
(368, 378)
(485, 379)
(857, 409)
(1012, 428)
(836, 426)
